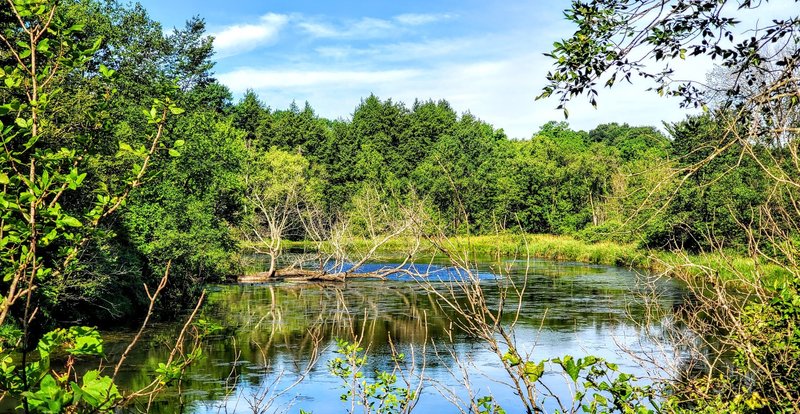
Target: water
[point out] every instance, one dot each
(271, 331)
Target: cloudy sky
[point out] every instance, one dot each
(483, 57)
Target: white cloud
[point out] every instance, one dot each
(317, 29)
(370, 27)
(501, 92)
(415, 19)
(364, 28)
(240, 38)
(407, 51)
(242, 79)
(342, 52)
(495, 75)
(367, 27)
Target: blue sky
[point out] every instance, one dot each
(482, 56)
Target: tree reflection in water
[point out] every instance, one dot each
(280, 333)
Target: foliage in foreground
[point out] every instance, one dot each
(56, 205)
(383, 395)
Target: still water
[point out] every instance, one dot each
(272, 329)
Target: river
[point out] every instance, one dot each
(260, 362)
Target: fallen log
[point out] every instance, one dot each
(307, 275)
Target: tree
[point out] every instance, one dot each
(458, 175)
(428, 122)
(190, 58)
(187, 212)
(714, 199)
(252, 117)
(188, 209)
(380, 128)
(632, 142)
(279, 186)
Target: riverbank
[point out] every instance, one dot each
(730, 266)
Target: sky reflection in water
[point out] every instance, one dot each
(568, 308)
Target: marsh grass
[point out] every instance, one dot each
(731, 266)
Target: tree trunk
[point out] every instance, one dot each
(272, 262)
(594, 212)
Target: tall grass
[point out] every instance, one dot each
(731, 266)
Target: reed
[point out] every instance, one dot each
(729, 266)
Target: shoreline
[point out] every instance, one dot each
(729, 267)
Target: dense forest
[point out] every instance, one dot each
(143, 163)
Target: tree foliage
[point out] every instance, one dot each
(620, 40)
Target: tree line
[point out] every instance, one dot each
(608, 183)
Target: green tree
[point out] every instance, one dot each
(147, 61)
(187, 213)
(251, 116)
(427, 122)
(279, 187)
(380, 128)
(458, 176)
(632, 142)
(623, 39)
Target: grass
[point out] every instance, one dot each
(547, 246)
(729, 266)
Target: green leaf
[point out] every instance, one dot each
(4, 178)
(534, 371)
(589, 360)
(601, 400)
(569, 366)
(512, 358)
(95, 45)
(86, 341)
(48, 398)
(106, 72)
(98, 391)
(49, 341)
(43, 46)
(174, 153)
(179, 143)
(70, 221)
(75, 28)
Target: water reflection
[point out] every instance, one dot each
(415, 271)
(273, 329)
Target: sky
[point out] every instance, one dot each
(482, 56)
